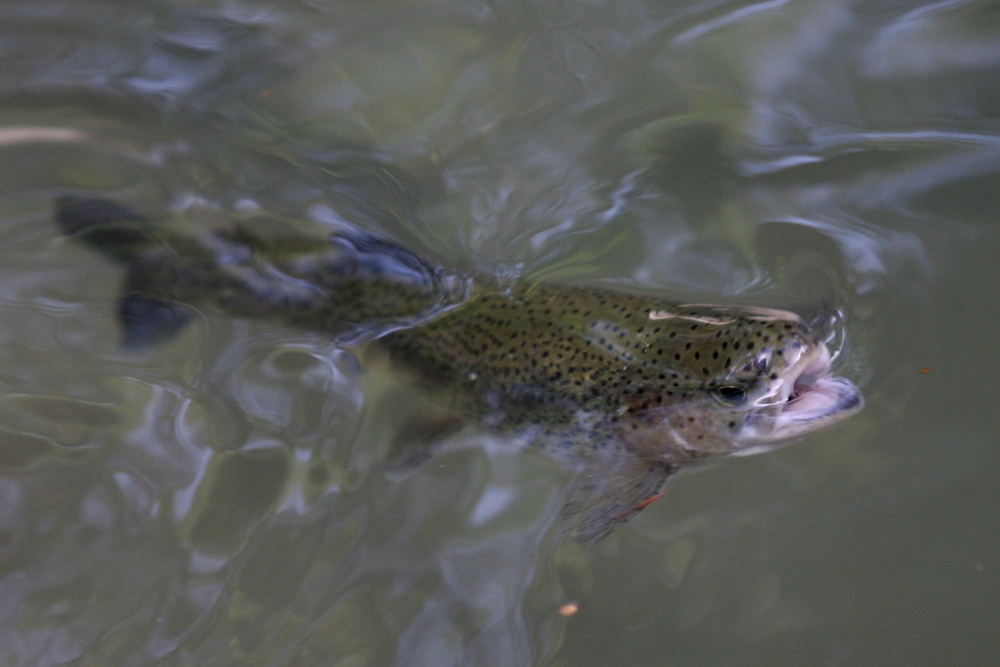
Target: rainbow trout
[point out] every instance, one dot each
(628, 388)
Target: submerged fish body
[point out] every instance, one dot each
(627, 388)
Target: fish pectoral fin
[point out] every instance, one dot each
(417, 440)
(148, 320)
(611, 489)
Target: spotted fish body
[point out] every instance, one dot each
(543, 352)
(627, 388)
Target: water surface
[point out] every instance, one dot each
(219, 500)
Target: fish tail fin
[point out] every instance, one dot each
(102, 224)
(122, 234)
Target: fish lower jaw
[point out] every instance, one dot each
(814, 394)
(824, 402)
(826, 396)
(809, 399)
(828, 401)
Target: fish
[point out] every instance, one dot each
(625, 388)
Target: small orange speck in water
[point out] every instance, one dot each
(569, 609)
(925, 371)
(266, 93)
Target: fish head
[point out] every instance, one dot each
(742, 381)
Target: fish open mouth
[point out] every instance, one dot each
(815, 398)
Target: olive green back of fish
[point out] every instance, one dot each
(544, 352)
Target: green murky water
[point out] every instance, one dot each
(219, 500)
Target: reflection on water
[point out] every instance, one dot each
(220, 499)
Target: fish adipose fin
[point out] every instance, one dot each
(610, 490)
(120, 233)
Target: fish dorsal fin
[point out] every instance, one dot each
(612, 486)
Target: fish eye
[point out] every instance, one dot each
(732, 394)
